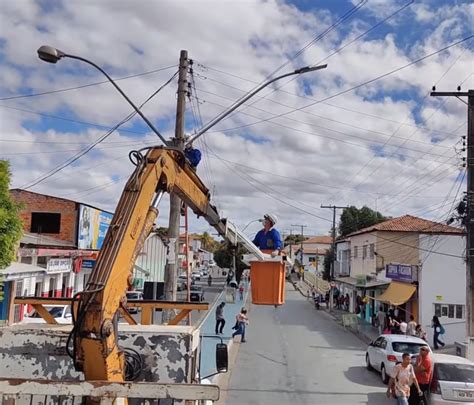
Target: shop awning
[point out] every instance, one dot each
(397, 293)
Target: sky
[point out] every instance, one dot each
(363, 131)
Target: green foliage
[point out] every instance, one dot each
(294, 239)
(223, 257)
(208, 242)
(11, 228)
(353, 219)
(328, 258)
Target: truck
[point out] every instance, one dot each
(97, 359)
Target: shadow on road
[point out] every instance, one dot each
(378, 398)
(360, 375)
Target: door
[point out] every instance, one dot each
(378, 351)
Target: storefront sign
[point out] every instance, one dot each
(400, 272)
(59, 265)
(88, 264)
(26, 252)
(92, 228)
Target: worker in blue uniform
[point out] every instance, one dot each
(269, 238)
(193, 155)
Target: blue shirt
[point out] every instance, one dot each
(193, 155)
(268, 241)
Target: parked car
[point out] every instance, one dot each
(61, 313)
(385, 351)
(452, 381)
(211, 263)
(134, 295)
(196, 275)
(197, 293)
(204, 272)
(181, 284)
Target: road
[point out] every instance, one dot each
(297, 355)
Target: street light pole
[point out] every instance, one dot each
(53, 55)
(239, 102)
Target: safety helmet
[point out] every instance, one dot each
(271, 217)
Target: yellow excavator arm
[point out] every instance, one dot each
(95, 348)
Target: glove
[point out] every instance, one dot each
(275, 253)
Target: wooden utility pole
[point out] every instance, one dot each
(334, 208)
(171, 273)
(469, 212)
(301, 243)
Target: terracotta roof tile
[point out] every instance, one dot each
(409, 223)
(319, 239)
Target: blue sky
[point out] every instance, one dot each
(355, 141)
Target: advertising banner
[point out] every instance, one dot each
(400, 272)
(59, 265)
(92, 227)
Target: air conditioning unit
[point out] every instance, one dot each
(462, 349)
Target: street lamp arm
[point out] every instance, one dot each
(52, 55)
(153, 128)
(238, 103)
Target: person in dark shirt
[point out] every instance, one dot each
(193, 155)
(269, 238)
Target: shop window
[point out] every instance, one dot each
(450, 311)
(45, 222)
(42, 261)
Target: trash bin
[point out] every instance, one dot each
(267, 280)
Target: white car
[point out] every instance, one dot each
(196, 275)
(387, 350)
(61, 313)
(452, 381)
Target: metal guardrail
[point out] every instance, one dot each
(44, 392)
(146, 306)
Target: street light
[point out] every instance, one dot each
(251, 222)
(238, 103)
(52, 55)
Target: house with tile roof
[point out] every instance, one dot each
(411, 263)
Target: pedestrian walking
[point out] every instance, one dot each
(241, 292)
(220, 321)
(411, 327)
(421, 333)
(240, 325)
(402, 378)
(438, 330)
(209, 280)
(381, 320)
(423, 371)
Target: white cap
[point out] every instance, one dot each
(271, 217)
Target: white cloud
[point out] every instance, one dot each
(327, 153)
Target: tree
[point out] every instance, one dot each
(294, 239)
(353, 219)
(11, 228)
(328, 258)
(208, 242)
(223, 256)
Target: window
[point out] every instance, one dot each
(406, 347)
(26, 260)
(364, 252)
(372, 251)
(450, 311)
(312, 259)
(45, 222)
(356, 252)
(42, 261)
(454, 372)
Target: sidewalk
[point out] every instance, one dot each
(365, 331)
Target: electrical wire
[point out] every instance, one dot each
(17, 96)
(99, 140)
(377, 78)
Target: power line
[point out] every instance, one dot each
(85, 85)
(91, 146)
(357, 86)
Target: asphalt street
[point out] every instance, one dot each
(297, 355)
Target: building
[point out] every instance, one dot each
(61, 242)
(342, 264)
(400, 262)
(313, 253)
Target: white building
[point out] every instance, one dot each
(342, 265)
(442, 285)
